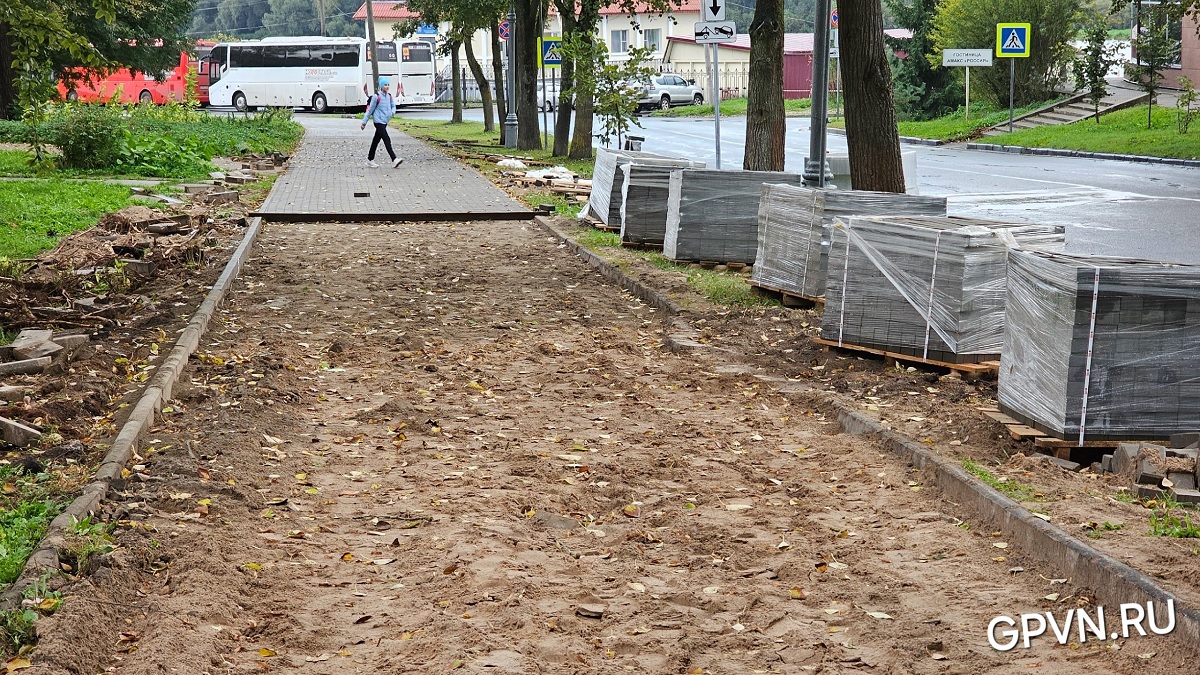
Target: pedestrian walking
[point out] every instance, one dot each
(380, 111)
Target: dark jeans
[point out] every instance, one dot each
(381, 134)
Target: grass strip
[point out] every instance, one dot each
(21, 528)
(735, 107)
(37, 213)
(1121, 132)
(1011, 488)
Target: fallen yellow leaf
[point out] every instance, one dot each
(264, 652)
(18, 663)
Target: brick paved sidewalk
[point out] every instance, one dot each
(329, 180)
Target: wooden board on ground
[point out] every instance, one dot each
(970, 371)
(787, 298)
(1058, 447)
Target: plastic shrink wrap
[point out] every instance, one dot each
(712, 215)
(608, 179)
(644, 200)
(1101, 348)
(793, 230)
(928, 287)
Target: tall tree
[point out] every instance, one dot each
(871, 135)
(935, 90)
(530, 15)
(1155, 50)
(765, 123)
(566, 82)
(971, 24)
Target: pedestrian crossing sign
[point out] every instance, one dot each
(1012, 40)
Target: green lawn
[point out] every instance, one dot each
(1122, 132)
(957, 127)
(471, 136)
(14, 163)
(733, 107)
(37, 213)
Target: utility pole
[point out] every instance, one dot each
(374, 52)
(510, 121)
(321, 12)
(816, 168)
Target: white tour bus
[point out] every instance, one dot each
(409, 64)
(318, 73)
(310, 72)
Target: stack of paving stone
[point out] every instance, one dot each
(1156, 470)
(794, 224)
(645, 193)
(923, 286)
(713, 215)
(1102, 348)
(608, 181)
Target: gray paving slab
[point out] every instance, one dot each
(328, 179)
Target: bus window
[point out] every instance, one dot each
(274, 56)
(298, 57)
(416, 53)
(245, 57)
(345, 55)
(387, 52)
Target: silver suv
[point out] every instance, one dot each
(665, 90)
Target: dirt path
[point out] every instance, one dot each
(429, 447)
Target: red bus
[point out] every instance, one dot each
(129, 87)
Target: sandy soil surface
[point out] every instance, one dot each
(433, 447)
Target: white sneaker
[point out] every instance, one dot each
(397, 162)
(372, 164)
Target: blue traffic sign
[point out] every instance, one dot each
(551, 53)
(833, 19)
(505, 29)
(1012, 40)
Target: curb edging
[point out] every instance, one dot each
(1056, 152)
(157, 391)
(1111, 580)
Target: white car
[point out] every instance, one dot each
(548, 95)
(665, 90)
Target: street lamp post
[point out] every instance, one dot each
(816, 168)
(510, 121)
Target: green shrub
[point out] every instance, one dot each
(165, 156)
(90, 136)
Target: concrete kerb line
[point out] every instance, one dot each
(157, 391)
(1113, 582)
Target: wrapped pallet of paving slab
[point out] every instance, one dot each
(928, 287)
(712, 215)
(1101, 348)
(608, 182)
(644, 198)
(794, 224)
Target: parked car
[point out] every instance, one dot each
(548, 94)
(665, 90)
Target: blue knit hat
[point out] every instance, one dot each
(383, 82)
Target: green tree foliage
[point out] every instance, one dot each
(1093, 61)
(971, 24)
(798, 15)
(1155, 50)
(614, 86)
(924, 89)
(1186, 104)
(262, 18)
(39, 38)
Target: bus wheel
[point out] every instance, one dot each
(239, 102)
(145, 97)
(319, 104)
(72, 95)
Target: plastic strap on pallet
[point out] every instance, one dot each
(937, 245)
(845, 276)
(1087, 370)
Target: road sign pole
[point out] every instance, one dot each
(510, 120)
(815, 166)
(967, 115)
(717, 101)
(1012, 87)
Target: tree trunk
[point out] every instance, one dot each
(585, 28)
(871, 135)
(456, 82)
(566, 80)
(485, 92)
(562, 123)
(498, 75)
(529, 136)
(765, 124)
(8, 85)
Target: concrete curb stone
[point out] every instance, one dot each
(157, 392)
(1113, 582)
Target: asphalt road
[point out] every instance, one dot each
(1108, 207)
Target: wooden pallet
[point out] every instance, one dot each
(1058, 447)
(593, 221)
(787, 298)
(969, 371)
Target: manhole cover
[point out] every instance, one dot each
(362, 194)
